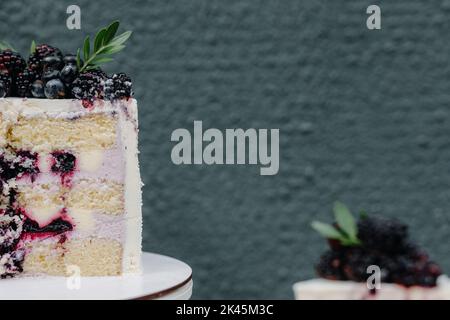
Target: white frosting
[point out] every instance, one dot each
(322, 289)
(133, 196)
(12, 107)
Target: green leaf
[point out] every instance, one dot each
(100, 60)
(111, 49)
(345, 220)
(327, 230)
(33, 47)
(98, 41)
(111, 31)
(105, 44)
(350, 242)
(86, 48)
(121, 38)
(5, 45)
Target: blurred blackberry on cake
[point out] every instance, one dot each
(379, 233)
(119, 86)
(373, 241)
(330, 266)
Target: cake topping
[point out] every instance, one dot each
(373, 241)
(38, 53)
(11, 61)
(37, 89)
(119, 86)
(55, 89)
(5, 83)
(51, 75)
(24, 80)
(88, 87)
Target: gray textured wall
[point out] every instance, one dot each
(364, 117)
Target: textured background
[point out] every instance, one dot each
(363, 115)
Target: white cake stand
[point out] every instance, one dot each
(163, 278)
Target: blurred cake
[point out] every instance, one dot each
(373, 258)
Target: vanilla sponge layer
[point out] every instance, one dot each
(89, 257)
(102, 196)
(47, 134)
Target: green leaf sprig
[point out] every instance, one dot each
(5, 45)
(106, 43)
(346, 232)
(33, 47)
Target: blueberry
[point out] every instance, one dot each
(69, 73)
(71, 59)
(55, 89)
(2, 89)
(37, 89)
(50, 74)
(53, 62)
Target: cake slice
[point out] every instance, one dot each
(70, 187)
(371, 259)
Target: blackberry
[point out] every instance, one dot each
(88, 86)
(330, 266)
(10, 231)
(416, 273)
(119, 86)
(23, 82)
(27, 163)
(11, 263)
(43, 50)
(100, 73)
(356, 262)
(16, 165)
(64, 162)
(387, 235)
(5, 83)
(12, 61)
